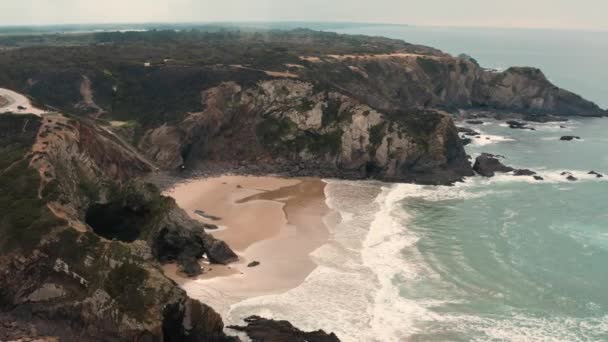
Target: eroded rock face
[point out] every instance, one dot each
(488, 164)
(415, 81)
(284, 125)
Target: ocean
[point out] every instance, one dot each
(491, 259)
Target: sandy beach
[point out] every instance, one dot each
(277, 222)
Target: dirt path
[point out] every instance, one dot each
(17, 103)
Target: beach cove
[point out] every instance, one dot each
(276, 222)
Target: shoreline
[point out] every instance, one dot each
(275, 221)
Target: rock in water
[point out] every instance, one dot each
(254, 264)
(267, 330)
(487, 164)
(466, 141)
(597, 174)
(519, 125)
(569, 138)
(475, 122)
(523, 172)
(539, 178)
(467, 131)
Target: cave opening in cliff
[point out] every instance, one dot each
(115, 222)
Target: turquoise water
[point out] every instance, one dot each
(512, 258)
(501, 259)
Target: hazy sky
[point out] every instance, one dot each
(587, 14)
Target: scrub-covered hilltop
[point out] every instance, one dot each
(298, 102)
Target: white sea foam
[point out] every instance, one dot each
(354, 292)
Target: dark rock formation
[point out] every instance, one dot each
(218, 251)
(468, 132)
(597, 174)
(253, 264)
(569, 176)
(519, 125)
(523, 172)
(267, 330)
(488, 164)
(65, 280)
(569, 138)
(475, 122)
(538, 178)
(289, 127)
(466, 141)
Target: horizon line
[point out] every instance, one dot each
(254, 21)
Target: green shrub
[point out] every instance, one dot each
(126, 285)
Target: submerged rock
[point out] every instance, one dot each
(475, 122)
(267, 330)
(538, 178)
(253, 264)
(488, 164)
(569, 138)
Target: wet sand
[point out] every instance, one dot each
(275, 221)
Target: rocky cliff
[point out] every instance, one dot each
(287, 125)
(297, 102)
(77, 278)
(406, 80)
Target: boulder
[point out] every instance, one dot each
(538, 178)
(475, 122)
(488, 164)
(268, 330)
(218, 251)
(253, 264)
(569, 138)
(190, 266)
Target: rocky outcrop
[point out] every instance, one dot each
(287, 125)
(422, 81)
(569, 138)
(596, 174)
(488, 164)
(523, 172)
(267, 330)
(519, 125)
(69, 282)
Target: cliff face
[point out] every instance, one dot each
(69, 280)
(403, 80)
(288, 125)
